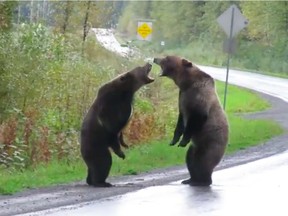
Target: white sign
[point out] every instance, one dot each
(144, 30)
(239, 21)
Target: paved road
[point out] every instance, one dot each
(274, 86)
(255, 188)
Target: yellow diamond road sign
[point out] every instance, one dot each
(144, 31)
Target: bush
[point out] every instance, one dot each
(48, 85)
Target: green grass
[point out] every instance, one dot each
(238, 101)
(43, 175)
(246, 132)
(155, 154)
(158, 154)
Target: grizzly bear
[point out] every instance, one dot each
(201, 118)
(103, 124)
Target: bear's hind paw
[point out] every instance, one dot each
(104, 184)
(187, 181)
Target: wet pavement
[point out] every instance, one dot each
(234, 190)
(255, 188)
(274, 86)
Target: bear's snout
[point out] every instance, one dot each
(149, 66)
(157, 61)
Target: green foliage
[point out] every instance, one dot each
(6, 14)
(190, 29)
(134, 11)
(46, 88)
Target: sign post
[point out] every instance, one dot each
(232, 22)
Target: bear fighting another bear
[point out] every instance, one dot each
(103, 124)
(201, 118)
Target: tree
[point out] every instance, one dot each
(133, 12)
(6, 14)
(268, 21)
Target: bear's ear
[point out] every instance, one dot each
(186, 63)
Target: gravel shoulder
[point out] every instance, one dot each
(78, 192)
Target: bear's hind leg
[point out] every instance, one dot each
(189, 162)
(187, 181)
(200, 172)
(88, 179)
(101, 168)
(99, 182)
(198, 178)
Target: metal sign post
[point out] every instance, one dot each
(231, 21)
(228, 58)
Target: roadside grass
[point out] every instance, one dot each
(43, 175)
(157, 153)
(244, 133)
(239, 102)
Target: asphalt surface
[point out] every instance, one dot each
(255, 188)
(62, 195)
(273, 86)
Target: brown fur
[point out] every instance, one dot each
(102, 126)
(201, 118)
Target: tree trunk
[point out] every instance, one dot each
(31, 11)
(67, 14)
(85, 25)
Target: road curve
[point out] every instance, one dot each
(274, 86)
(255, 188)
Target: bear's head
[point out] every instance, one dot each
(183, 72)
(172, 66)
(136, 78)
(175, 68)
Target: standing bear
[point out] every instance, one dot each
(102, 126)
(201, 118)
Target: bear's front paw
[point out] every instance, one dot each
(183, 143)
(125, 145)
(120, 154)
(172, 143)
